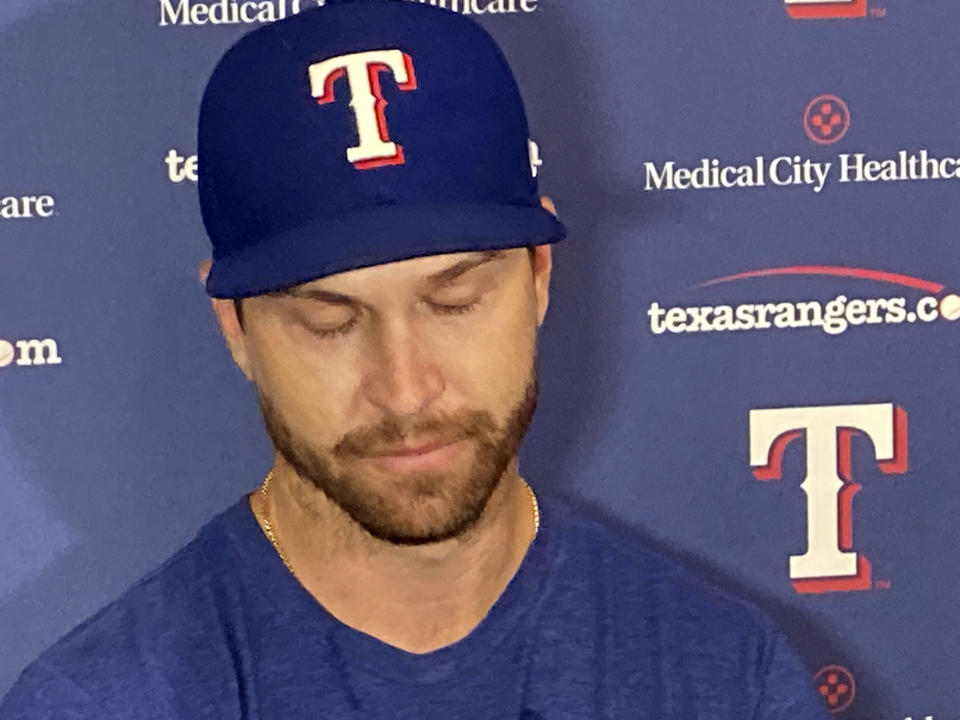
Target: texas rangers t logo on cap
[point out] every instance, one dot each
(363, 69)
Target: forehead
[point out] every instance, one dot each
(430, 269)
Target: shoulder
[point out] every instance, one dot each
(637, 579)
(111, 660)
(655, 612)
(666, 631)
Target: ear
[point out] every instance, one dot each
(226, 314)
(203, 271)
(542, 267)
(234, 335)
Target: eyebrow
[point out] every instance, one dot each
(439, 278)
(317, 294)
(455, 271)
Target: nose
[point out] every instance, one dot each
(403, 376)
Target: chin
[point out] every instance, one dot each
(418, 510)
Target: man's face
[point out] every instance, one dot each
(401, 391)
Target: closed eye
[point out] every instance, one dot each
(454, 308)
(334, 332)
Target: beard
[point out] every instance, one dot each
(415, 508)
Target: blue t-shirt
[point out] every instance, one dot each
(591, 626)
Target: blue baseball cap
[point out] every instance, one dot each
(359, 133)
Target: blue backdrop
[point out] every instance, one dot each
(762, 200)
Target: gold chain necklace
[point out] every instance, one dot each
(263, 517)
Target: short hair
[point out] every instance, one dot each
(238, 302)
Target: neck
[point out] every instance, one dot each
(416, 598)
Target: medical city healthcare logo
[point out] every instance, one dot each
(837, 686)
(826, 119)
(236, 12)
(830, 562)
(825, 9)
(917, 302)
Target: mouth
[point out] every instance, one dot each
(411, 450)
(406, 458)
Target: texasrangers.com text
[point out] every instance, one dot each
(833, 317)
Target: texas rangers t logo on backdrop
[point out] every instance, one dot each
(829, 564)
(818, 9)
(363, 69)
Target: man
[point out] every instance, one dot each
(380, 276)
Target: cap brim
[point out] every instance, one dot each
(374, 236)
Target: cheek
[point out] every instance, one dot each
(312, 389)
(492, 361)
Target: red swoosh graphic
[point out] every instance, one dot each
(835, 271)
